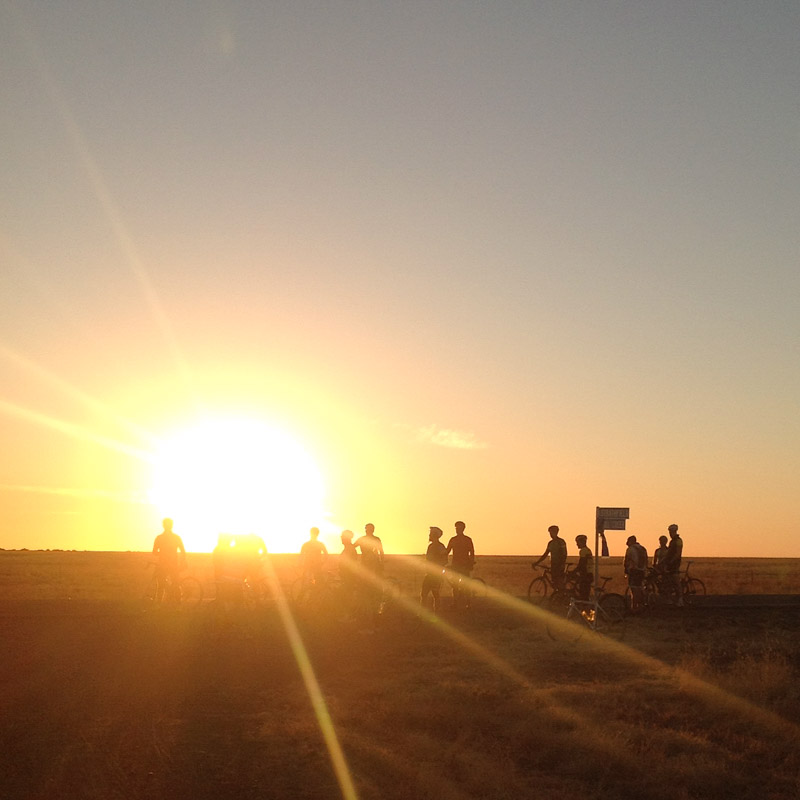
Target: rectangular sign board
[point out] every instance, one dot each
(613, 524)
(613, 513)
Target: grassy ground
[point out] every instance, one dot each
(101, 700)
(121, 576)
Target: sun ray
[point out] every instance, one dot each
(91, 494)
(70, 391)
(700, 688)
(326, 726)
(108, 206)
(72, 430)
(442, 626)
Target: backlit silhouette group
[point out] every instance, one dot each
(666, 565)
(238, 559)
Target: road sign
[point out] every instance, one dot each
(613, 513)
(613, 524)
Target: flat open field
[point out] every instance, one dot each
(101, 699)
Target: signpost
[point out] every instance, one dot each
(613, 513)
(606, 519)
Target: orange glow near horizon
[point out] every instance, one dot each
(237, 476)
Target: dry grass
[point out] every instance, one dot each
(102, 702)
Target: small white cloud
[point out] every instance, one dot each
(447, 437)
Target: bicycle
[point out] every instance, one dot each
(605, 614)
(249, 592)
(659, 589)
(188, 591)
(464, 586)
(326, 595)
(255, 591)
(542, 587)
(691, 587)
(316, 593)
(647, 593)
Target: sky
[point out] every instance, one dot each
(273, 265)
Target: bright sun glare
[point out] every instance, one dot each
(237, 476)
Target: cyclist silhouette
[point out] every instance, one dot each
(463, 560)
(313, 555)
(672, 563)
(171, 559)
(557, 550)
(584, 569)
(371, 549)
(436, 560)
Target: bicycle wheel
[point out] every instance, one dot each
(611, 615)
(390, 594)
(255, 593)
(568, 625)
(651, 596)
(614, 603)
(692, 588)
(628, 598)
(644, 600)
(537, 591)
(150, 594)
(191, 591)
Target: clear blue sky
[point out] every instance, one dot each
(499, 261)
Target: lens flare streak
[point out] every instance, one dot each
(702, 689)
(67, 389)
(315, 695)
(98, 494)
(75, 431)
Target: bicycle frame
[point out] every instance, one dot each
(590, 614)
(586, 610)
(547, 575)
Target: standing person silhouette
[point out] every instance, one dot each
(371, 549)
(557, 550)
(660, 554)
(313, 555)
(348, 557)
(584, 569)
(635, 566)
(171, 559)
(672, 563)
(462, 562)
(372, 556)
(435, 561)
(348, 566)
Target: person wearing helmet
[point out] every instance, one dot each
(348, 566)
(435, 562)
(660, 554)
(635, 565)
(349, 552)
(584, 569)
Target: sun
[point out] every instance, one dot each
(237, 476)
